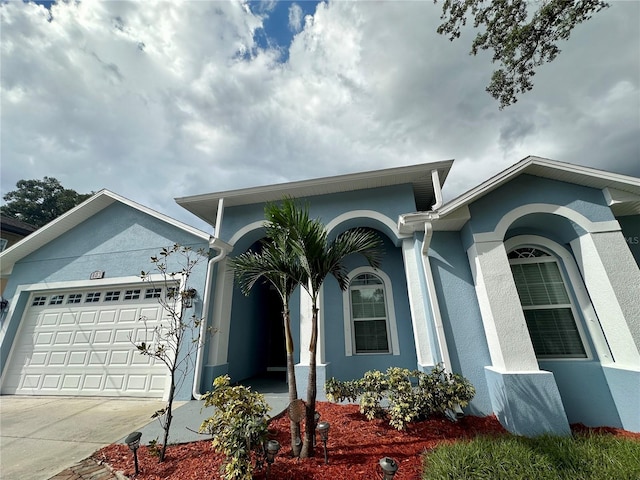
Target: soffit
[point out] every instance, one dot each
(419, 176)
(554, 170)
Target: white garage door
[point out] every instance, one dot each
(78, 342)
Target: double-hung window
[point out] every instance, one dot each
(369, 314)
(546, 304)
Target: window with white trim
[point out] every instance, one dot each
(74, 298)
(38, 301)
(369, 314)
(546, 304)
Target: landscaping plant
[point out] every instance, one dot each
(238, 426)
(403, 395)
(174, 340)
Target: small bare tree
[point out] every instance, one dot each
(174, 339)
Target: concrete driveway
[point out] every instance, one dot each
(41, 436)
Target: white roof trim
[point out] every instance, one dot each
(574, 173)
(205, 206)
(74, 217)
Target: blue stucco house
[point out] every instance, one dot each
(527, 284)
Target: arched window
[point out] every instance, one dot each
(369, 314)
(546, 304)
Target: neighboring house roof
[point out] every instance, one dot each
(419, 176)
(15, 226)
(74, 217)
(621, 191)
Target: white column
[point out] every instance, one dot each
(306, 312)
(505, 327)
(219, 343)
(417, 304)
(612, 278)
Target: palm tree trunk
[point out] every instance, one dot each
(291, 380)
(310, 421)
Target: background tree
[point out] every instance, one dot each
(277, 264)
(37, 202)
(320, 257)
(521, 37)
(174, 340)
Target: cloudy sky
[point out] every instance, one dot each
(156, 100)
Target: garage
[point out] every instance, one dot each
(78, 342)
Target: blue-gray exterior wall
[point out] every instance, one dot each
(345, 367)
(245, 333)
(630, 225)
(461, 319)
(120, 241)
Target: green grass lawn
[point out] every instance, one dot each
(580, 457)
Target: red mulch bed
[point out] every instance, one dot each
(355, 446)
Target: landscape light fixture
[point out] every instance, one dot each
(323, 430)
(272, 449)
(389, 467)
(133, 441)
(188, 296)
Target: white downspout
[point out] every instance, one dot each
(224, 249)
(437, 190)
(456, 412)
(433, 298)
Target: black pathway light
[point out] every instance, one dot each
(133, 441)
(323, 430)
(389, 468)
(272, 449)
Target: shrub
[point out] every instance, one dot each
(403, 395)
(238, 426)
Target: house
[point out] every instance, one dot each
(12, 231)
(528, 285)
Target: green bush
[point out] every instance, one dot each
(238, 426)
(403, 395)
(582, 457)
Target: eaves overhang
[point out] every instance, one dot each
(205, 206)
(74, 217)
(455, 212)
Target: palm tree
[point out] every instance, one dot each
(276, 264)
(318, 257)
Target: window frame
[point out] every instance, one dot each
(390, 320)
(575, 291)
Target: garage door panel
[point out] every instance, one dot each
(102, 336)
(108, 316)
(50, 319)
(87, 318)
(43, 339)
(67, 318)
(64, 338)
(51, 382)
(75, 347)
(128, 315)
(58, 358)
(120, 357)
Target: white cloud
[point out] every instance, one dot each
(295, 17)
(165, 99)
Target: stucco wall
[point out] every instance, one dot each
(460, 312)
(630, 225)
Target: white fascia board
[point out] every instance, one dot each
(73, 218)
(530, 163)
